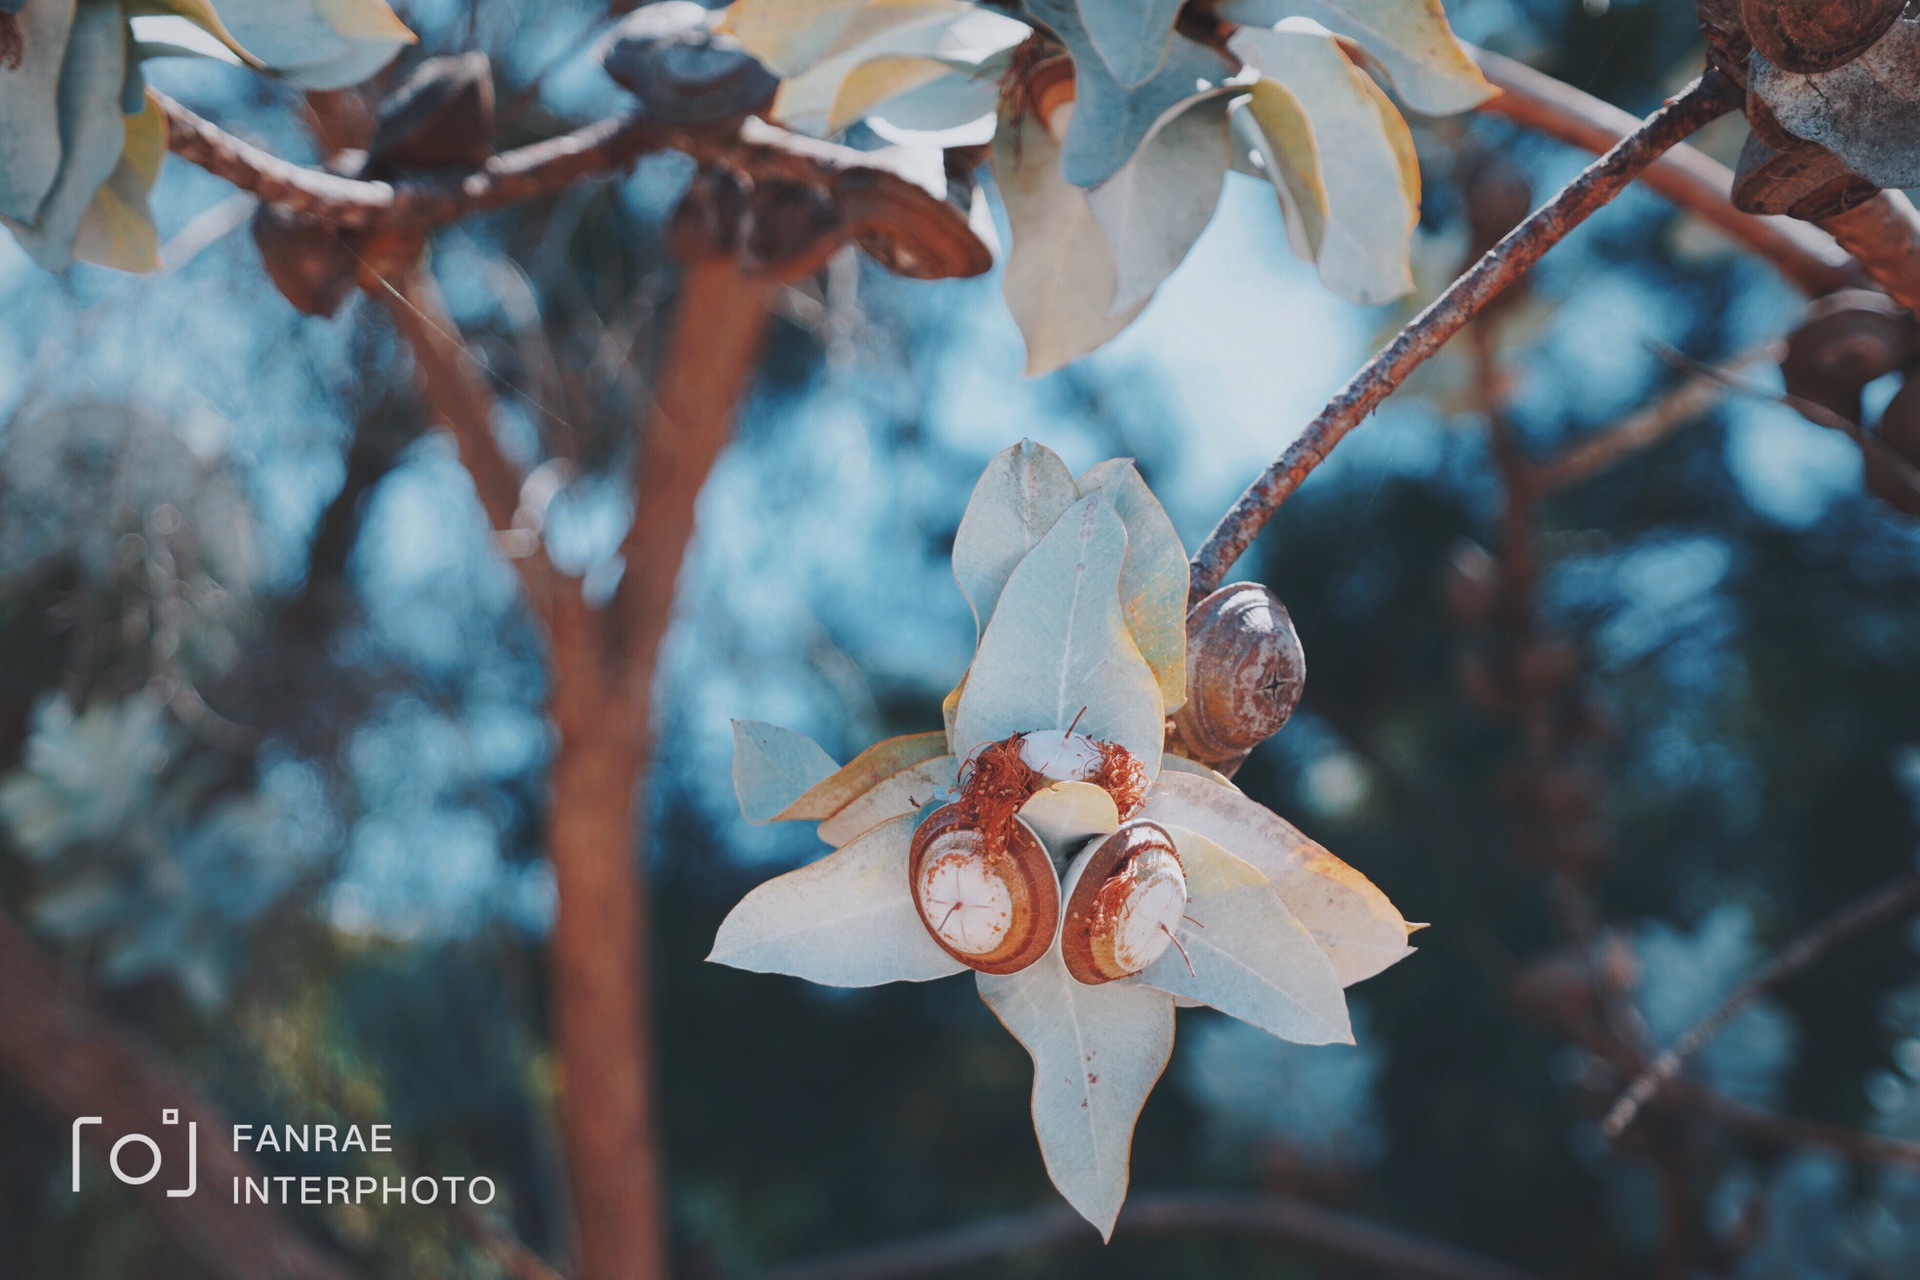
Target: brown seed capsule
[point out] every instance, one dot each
(439, 117)
(791, 231)
(923, 239)
(1245, 672)
(1805, 181)
(711, 217)
(682, 70)
(1125, 899)
(1900, 422)
(1846, 340)
(1816, 35)
(992, 909)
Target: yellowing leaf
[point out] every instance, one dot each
(1365, 155)
(903, 793)
(861, 774)
(117, 228)
(323, 44)
(1409, 38)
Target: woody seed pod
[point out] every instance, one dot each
(1125, 897)
(994, 910)
(1245, 672)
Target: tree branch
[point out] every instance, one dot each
(351, 204)
(1882, 904)
(1277, 1217)
(72, 1061)
(456, 393)
(1707, 98)
(1642, 429)
(1694, 181)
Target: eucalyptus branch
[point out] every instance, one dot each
(541, 168)
(1890, 900)
(1689, 178)
(1276, 1217)
(1705, 99)
(1644, 428)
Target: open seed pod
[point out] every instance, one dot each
(1049, 86)
(994, 910)
(1816, 35)
(1805, 181)
(1245, 673)
(439, 117)
(909, 231)
(1125, 898)
(1846, 340)
(684, 72)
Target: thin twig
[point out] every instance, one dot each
(1645, 427)
(1274, 1216)
(1706, 99)
(1771, 1128)
(1870, 442)
(1882, 904)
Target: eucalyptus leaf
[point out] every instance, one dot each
(1367, 168)
(1131, 36)
(1161, 200)
(847, 920)
(1057, 650)
(1274, 127)
(1864, 111)
(869, 769)
(92, 132)
(1111, 119)
(790, 36)
(1249, 956)
(773, 767)
(30, 106)
(117, 228)
(322, 44)
(1066, 815)
(1097, 1052)
(1023, 492)
(1153, 584)
(1410, 38)
(1351, 920)
(1060, 272)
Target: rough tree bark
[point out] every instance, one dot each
(72, 1061)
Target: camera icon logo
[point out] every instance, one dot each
(170, 1116)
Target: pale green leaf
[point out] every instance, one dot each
(1111, 119)
(1161, 200)
(117, 228)
(1057, 649)
(322, 44)
(1131, 36)
(1180, 764)
(1060, 269)
(1153, 584)
(1250, 956)
(905, 792)
(1023, 492)
(1410, 39)
(847, 920)
(774, 767)
(1097, 1053)
(30, 106)
(1274, 127)
(1347, 915)
(1367, 167)
(92, 132)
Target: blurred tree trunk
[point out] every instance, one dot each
(603, 667)
(71, 1060)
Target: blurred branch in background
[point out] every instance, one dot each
(1885, 903)
(72, 1061)
(1278, 1218)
